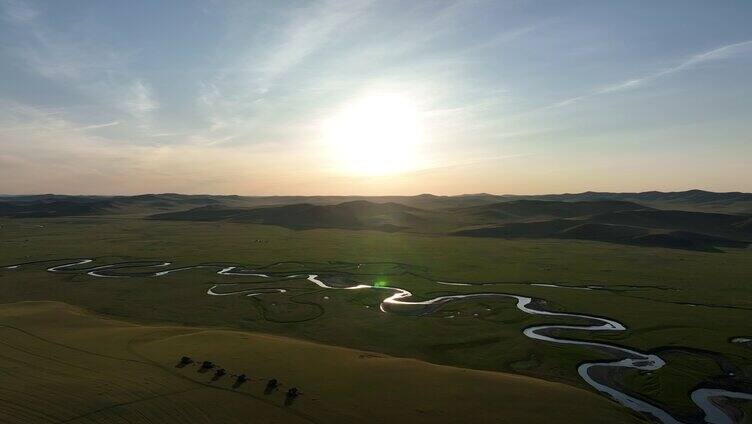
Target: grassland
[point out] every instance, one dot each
(668, 298)
(61, 364)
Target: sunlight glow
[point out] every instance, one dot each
(375, 135)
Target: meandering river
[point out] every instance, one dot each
(398, 302)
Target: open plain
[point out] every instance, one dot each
(345, 304)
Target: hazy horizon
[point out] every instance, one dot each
(360, 195)
(304, 98)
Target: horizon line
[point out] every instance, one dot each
(377, 195)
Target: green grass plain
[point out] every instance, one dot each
(651, 290)
(61, 364)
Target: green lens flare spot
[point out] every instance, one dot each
(380, 284)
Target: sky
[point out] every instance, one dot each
(374, 97)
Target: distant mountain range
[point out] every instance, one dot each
(694, 219)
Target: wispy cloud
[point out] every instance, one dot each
(285, 85)
(94, 69)
(52, 54)
(26, 119)
(93, 91)
(16, 11)
(234, 99)
(97, 126)
(468, 162)
(308, 30)
(139, 99)
(721, 53)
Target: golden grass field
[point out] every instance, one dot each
(61, 364)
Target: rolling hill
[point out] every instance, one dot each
(709, 223)
(527, 209)
(626, 218)
(691, 200)
(645, 227)
(39, 206)
(355, 215)
(53, 208)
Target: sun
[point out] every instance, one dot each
(377, 134)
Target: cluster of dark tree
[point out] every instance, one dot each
(205, 366)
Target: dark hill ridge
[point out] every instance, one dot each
(607, 217)
(693, 200)
(170, 199)
(698, 200)
(606, 221)
(710, 223)
(649, 227)
(357, 215)
(744, 225)
(39, 206)
(621, 234)
(552, 209)
(700, 196)
(53, 208)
